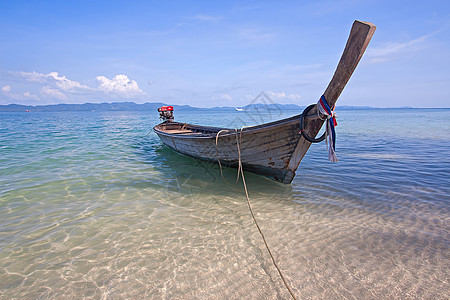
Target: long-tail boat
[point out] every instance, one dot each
(273, 149)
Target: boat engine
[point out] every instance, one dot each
(166, 113)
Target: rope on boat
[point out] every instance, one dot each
(330, 134)
(241, 171)
(302, 126)
(218, 160)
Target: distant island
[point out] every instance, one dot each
(131, 106)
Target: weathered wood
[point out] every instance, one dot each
(179, 131)
(265, 150)
(274, 149)
(357, 43)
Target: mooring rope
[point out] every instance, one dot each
(218, 160)
(330, 134)
(241, 171)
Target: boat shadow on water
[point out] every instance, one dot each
(203, 177)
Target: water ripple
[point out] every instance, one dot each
(93, 207)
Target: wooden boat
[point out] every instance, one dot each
(273, 149)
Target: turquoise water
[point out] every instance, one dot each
(91, 206)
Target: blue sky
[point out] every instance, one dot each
(224, 53)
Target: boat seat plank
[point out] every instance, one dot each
(178, 131)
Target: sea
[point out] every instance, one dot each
(94, 206)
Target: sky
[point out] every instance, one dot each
(221, 53)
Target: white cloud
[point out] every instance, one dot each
(53, 78)
(59, 86)
(282, 96)
(33, 76)
(226, 97)
(30, 96)
(276, 95)
(6, 89)
(390, 50)
(55, 93)
(65, 84)
(25, 96)
(120, 85)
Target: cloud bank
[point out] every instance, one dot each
(7, 92)
(53, 86)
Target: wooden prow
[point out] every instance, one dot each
(357, 43)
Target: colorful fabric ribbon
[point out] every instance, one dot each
(324, 109)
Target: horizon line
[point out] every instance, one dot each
(282, 104)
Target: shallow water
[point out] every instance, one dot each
(91, 206)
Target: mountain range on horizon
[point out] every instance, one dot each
(131, 106)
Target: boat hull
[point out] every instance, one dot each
(265, 149)
(274, 149)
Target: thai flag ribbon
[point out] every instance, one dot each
(324, 109)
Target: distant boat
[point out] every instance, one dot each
(239, 109)
(274, 149)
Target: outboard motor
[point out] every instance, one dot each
(166, 113)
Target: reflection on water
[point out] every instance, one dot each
(91, 207)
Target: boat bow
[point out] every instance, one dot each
(274, 149)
